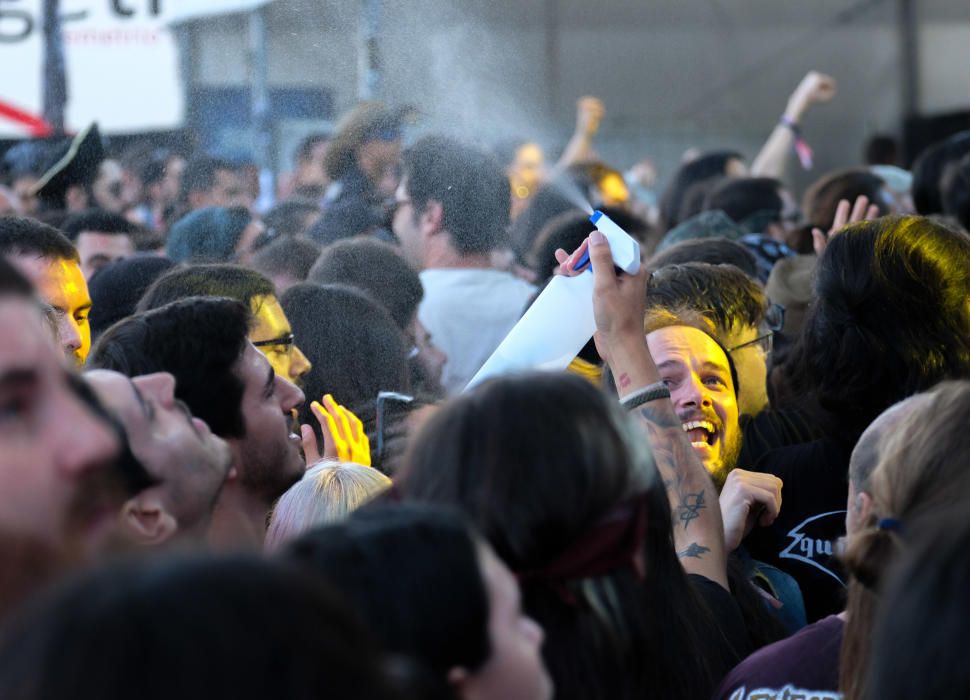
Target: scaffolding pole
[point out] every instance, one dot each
(369, 70)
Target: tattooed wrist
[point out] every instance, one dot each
(693, 551)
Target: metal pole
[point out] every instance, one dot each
(909, 56)
(260, 118)
(55, 79)
(369, 69)
(551, 13)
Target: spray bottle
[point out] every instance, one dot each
(560, 321)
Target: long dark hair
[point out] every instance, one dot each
(890, 319)
(538, 462)
(412, 572)
(354, 345)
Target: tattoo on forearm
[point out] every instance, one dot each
(660, 419)
(690, 507)
(673, 454)
(624, 380)
(694, 551)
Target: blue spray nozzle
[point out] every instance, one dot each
(625, 250)
(584, 261)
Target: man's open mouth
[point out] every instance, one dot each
(701, 433)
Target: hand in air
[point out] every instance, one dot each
(344, 438)
(589, 114)
(815, 88)
(845, 214)
(748, 498)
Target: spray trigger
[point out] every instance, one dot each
(625, 250)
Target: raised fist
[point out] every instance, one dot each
(815, 88)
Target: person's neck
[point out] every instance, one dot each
(238, 520)
(446, 257)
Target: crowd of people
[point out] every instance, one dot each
(238, 457)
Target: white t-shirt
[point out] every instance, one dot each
(468, 312)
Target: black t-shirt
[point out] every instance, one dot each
(733, 644)
(802, 540)
(806, 665)
(771, 430)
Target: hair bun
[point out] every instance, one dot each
(869, 555)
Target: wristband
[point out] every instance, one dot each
(801, 147)
(646, 395)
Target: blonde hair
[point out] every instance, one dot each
(327, 493)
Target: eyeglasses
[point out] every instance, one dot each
(284, 340)
(767, 339)
(775, 320)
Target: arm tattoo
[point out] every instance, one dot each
(624, 380)
(691, 505)
(673, 454)
(690, 493)
(693, 550)
(660, 419)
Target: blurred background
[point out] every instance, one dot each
(250, 78)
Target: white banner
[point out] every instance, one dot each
(121, 62)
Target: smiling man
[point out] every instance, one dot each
(702, 384)
(704, 390)
(186, 461)
(738, 311)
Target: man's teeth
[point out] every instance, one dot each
(699, 432)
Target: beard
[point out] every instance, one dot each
(271, 469)
(729, 459)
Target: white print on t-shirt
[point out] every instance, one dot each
(812, 550)
(786, 693)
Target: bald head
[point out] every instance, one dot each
(866, 454)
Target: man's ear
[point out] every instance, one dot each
(433, 216)
(146, 519)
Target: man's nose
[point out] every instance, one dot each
(696, 393)
(299, 364)
(290, 394)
